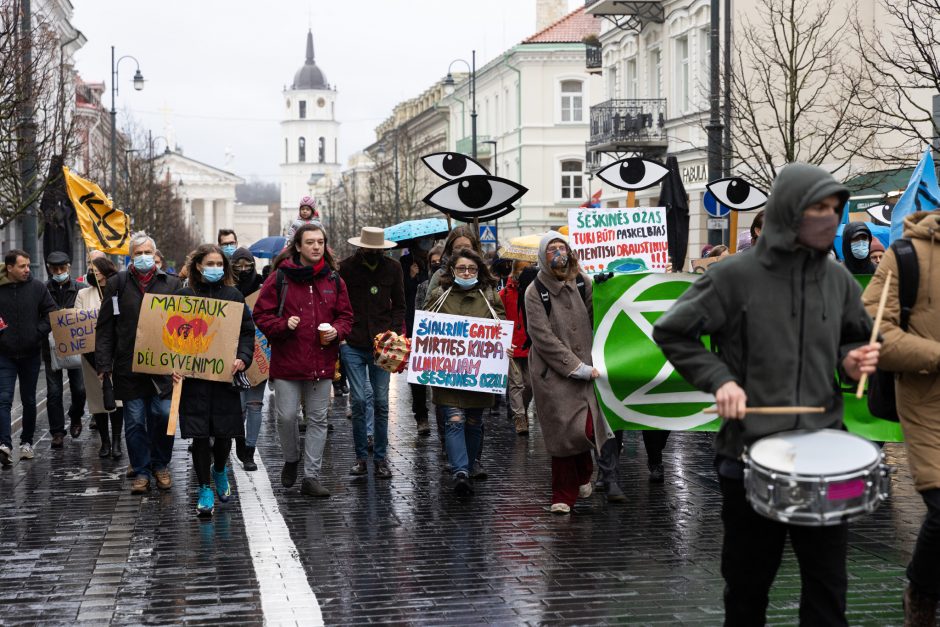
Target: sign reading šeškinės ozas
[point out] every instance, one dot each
(639, 389)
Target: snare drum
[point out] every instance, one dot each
(815, 478)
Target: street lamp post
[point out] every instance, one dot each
(449, 87)
(714, 126)
(138, 85)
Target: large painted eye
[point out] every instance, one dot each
(453, 165)
(475, 196)
(736, 193)
(880, 214)
(486, 217)
(633, 174)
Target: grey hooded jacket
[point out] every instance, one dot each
(781, 317)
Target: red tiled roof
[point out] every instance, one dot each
(570, 29)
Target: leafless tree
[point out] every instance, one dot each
(36, 98)
(901, 63)
(794, 93)
(415, 180)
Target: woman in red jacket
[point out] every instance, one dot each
(520, 384)
(303, 309)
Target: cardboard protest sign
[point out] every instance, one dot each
(73, 331)
(619, 239)
(261, 361)
(460, 352)
(193, 336)
(699, 266)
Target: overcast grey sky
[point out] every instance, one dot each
(215, 69)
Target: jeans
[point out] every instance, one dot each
(316, 397)
(252, 403)
(463, 437)
(362, 372)
(55, 408)
(148, 446)
(751, 553)
(924, 569)
(27, 370)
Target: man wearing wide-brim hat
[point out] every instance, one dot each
(376, 291)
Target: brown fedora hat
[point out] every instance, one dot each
(372, 237)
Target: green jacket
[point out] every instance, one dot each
(465, 303)
(781, 317)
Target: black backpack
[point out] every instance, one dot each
(547, 303)
(281, 279)
(881, 399)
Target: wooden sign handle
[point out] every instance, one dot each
(733, 232)
(860, 390)
(631, 200)
(174, 408)
(775, 411)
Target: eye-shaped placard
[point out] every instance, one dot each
(737, 194)
(475, 196)
(453, 165)
(880, 214)
(633, 174)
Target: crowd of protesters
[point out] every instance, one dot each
(321, 315)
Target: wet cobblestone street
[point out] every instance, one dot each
(76, 546)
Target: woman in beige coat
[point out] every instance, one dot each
(562, 372)
(90, 298)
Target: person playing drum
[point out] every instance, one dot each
(782, 318)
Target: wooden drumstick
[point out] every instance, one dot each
(775, 411)
(860, 390)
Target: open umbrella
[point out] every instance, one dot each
(413, 229)
(522, 248)
(268, 247)
(675, 199)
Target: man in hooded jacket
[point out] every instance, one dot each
(802, 314)
(856, 248)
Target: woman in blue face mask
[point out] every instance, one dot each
(466, 288)
(212, 409)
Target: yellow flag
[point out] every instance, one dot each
(104, 228)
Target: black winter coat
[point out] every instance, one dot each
(377, 298)
(116, 333)
(213, 408)
(24, 308)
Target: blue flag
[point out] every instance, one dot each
(922, 194)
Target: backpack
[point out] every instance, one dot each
(547, 303)
(281, 279)
(881, 398)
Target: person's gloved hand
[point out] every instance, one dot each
(583, 372)
(602, 276)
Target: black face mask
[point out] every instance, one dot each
(91, 279)
(435, 267)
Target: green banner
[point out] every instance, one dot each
(639, 389)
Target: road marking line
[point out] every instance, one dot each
(282, 580)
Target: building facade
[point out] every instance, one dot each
(309, 135)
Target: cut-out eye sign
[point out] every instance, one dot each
(880, 214)
(471, 193)
(453, 165)
(737, 194)
(633, 174)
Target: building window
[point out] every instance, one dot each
(631, 83)
(303, 109)
(301, 150)
(321, 150)
(682, 75)
(656, 73)
(704, 36)
(612, 91)
(572, 177)
(571, 101)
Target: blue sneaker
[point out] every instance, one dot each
(206, 503)
(222, 488)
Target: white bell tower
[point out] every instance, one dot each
(309, 137)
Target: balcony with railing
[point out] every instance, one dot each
(629, 13)
(593, 58)
(628, 125)
(465, 146)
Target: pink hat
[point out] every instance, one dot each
(308, 201)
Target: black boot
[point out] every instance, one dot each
(117, 434)
(249, 461)
(240, 449)
(105, 450)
